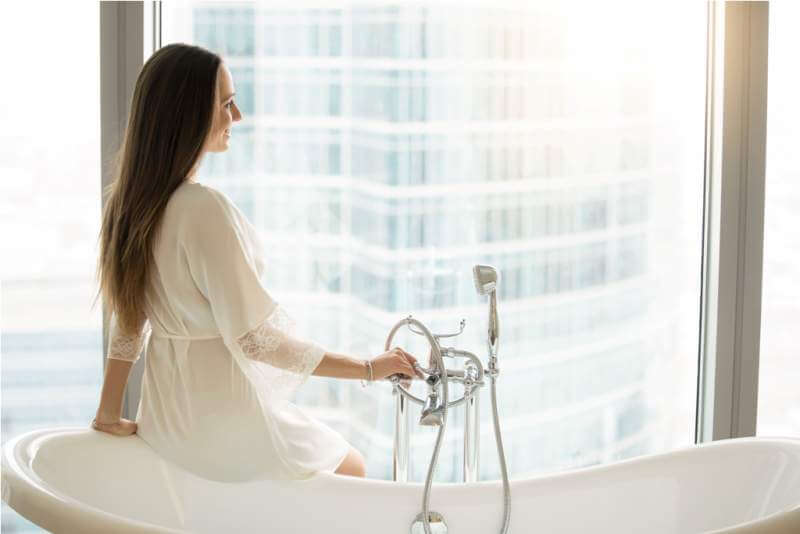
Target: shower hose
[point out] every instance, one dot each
(493, 372)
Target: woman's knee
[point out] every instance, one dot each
(353, 465)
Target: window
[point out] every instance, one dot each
(561, 142)
(52, 358)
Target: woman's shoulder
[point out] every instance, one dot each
(199, 210)
(199, 200)
(195, 191)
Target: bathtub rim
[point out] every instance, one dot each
(31, 497)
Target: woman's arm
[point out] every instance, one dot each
(341, 366)
(123, 351)
(108, 414)
(116, 377)
(395, 361)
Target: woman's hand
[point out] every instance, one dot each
(395, 361)
(118, 427)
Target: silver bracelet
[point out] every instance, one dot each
(369, 372)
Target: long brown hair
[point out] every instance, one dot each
(170, 117)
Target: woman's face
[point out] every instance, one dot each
(225, 112)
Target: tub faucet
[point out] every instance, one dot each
(434, 410)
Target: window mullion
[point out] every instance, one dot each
(121, 59)
(734, 221)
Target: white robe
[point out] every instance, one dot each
(221, 361)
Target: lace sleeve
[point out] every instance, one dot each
(125, 347)
(271, 342)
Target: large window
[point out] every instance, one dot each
(779, 365)
(387, 147)
(52, 361)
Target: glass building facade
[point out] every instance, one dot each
(386, 148)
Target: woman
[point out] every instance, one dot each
(180, 262)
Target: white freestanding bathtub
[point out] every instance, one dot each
(80, 480)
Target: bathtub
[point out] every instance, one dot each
(79, 480)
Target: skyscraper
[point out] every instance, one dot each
(388, 147)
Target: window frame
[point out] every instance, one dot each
(733, 239)
(122, 52)
(733, 203)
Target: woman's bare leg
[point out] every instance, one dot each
(353, 465)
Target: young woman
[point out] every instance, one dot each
(180, 268)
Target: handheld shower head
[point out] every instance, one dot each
(486, 279)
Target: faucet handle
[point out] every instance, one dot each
(400, 379)
(440, 336)
(460, 330)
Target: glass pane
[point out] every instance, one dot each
(52, 362)
(779, 367)
(388, 148)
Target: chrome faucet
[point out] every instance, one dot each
(435, 406)
(432, 411)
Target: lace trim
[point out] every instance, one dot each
(126, 347)
(272, 342)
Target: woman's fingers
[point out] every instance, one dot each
(404, 363)
(130, 427)
(409, 362)
(412, 360)
(414, 371)
(405, 354)
(123, 427)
